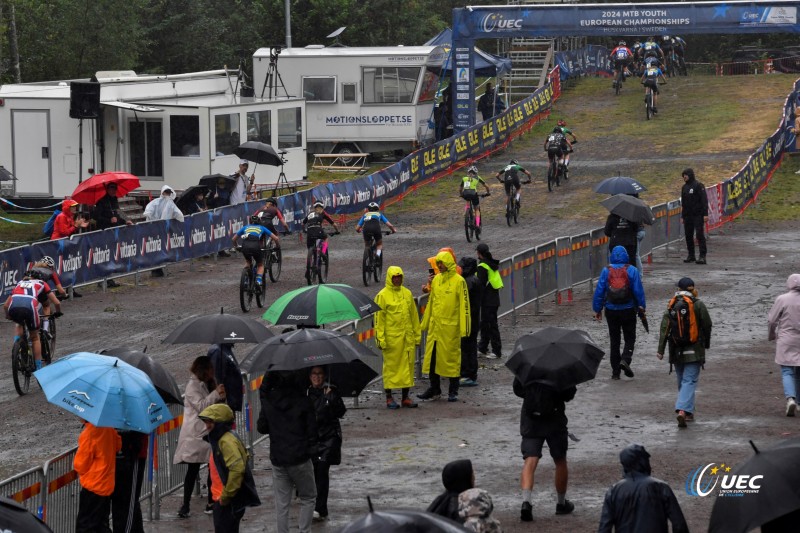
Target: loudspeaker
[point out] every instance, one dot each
(84, 99)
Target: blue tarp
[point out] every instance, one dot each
(486, 65)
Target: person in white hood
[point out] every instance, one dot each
(163, 208)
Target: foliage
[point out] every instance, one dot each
(21, 232)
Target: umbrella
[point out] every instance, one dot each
(105, 391)
(629, 208)
(341, 354)
(258, 152)
(218, 329)
(557, 357)
(94, 188)
(187, 196)
(320, 304)
(162, 379)
(777, 495)
(643, 319)
(5, 175)
(402, 522)
(619, 185)
(210, 181)
(14, 517)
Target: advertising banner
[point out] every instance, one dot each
(742, 187)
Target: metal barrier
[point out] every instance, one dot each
(63, 489)
(524, 279)
(563, 268)
(581, 258)
(27, 489)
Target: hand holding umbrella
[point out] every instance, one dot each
(629, 208)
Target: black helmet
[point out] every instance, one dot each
(272, 200)
(513, 161)
(35, 274)
(255, 219)
(557, 130)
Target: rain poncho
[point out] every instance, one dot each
(163, 207)
(446, 319)
(397, 332)
(640, 502)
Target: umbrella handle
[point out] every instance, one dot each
(252, 180)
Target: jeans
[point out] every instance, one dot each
(688, 374)
(621, 323)
(791, 380)
(284, 481)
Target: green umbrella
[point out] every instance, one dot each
(320, 304)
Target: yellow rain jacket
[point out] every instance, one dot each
(446, 319)
(397, 332)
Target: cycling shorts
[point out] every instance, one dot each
(620, 64)
(471, 196)
(509, 182)
(555, 151)
(311, 239)
(251, 250)
(653, 84)
(372, 233)
(25, 310)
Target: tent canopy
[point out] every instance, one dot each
(486, 64)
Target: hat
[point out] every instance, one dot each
(482, 248)
(685, 283)
(244, 162)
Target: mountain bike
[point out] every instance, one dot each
(512, 206)
(618, 80)
(372, 264)
(249, 289)
(555, 171)
(23, 364)
(273, 259)
(471, 227)
(648, 101)
(317, 269)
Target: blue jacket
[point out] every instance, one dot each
(619, 257)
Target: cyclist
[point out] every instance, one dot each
(267, 215)
(44, 269)
(511, 177)
(679, 45)
(468, 190)
(254, 240)
(566, 131)
(650, 45)
(370, 222)
(621, 57)
(650, 79)
(557, 145)
(312, 225)
(24, 305)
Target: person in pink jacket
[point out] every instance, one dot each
(784, 328)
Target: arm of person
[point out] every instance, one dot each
(6, 305)
(195, 399)
(379, 323)
(773, 318)
(673, 511)
(360, 223)
(335, 403)
(281, 219)
(606, 516)
(53, 300)
(391, 227)
(599, 298)
(236, 463)
(57, 283)
(176, 213)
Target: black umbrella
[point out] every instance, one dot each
(210, 181)
(768, 498)
(321, 304)
(14, 517)
(643, 319)
(402, 522)
(619, 185)
(187, 196)
(5, 175)
(558, 357)
(629, 208)
(258, 152)
(162, 379)
(219, 329)
(341, 354)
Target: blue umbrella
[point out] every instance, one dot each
(105, 391)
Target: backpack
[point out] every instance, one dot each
(540, 400)
(683, 328)
(47, 228)
(619, 286)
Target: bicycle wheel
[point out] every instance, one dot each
(509, 209)
(322, 272)
(377, 267)
(52, 334)
(46, 341)
(468, 227)
(245, 295)
(261, 292)
(648, 105)
(274, 261)
(619, 83)
(366, 266)
(551, 171)
(21, 366)
(516, 211)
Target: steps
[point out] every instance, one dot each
(130, 209)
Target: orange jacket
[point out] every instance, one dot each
(96, 458)
(64, 224)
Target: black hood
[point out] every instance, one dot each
(634, 458)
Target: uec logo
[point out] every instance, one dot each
(496, 21)
(703, 480)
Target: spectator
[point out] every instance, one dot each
(543, 419)
(232, 484)
(163, 208)
(95, 464)
(106, 211)
(241, 188)
(475, 511)
(623, 232)
(228, 374)
(490, 104)
(457, 476)
(220, 195)
(397, 334)
(126, 512)
(201, 392)
(688, 358)
(619, 289)
(491, 283)
(433, 270)
(67, 223)
(289, 417)
(784, 328)
(199, 203)
(469, 344)
(640, 502)
(446, 319)
(329, 409)
(694, 213)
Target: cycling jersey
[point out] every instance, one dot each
(371, 220)
(651, 61)
(31, 288)
(556, 142)
(254, 232)
(470, 183)
(652, 72)
(621, 53)
(26, 300)
(510, 173)
(313, 224)
(268, 214)
(651, 46)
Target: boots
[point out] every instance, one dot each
(701, 260)
(690, 259)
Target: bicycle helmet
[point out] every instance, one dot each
(48, 261)
(272, 200)
(562, 122)
(255, 219)
(622, 43)
(557, 130)
(472, 170)
(513, 162)
(373, 206)
(319, 204)
(35, 274)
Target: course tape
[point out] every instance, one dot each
(12, 204)
(18, 221)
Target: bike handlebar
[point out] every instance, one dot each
(387, 232)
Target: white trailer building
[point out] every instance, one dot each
(164, 129)
(360, 99)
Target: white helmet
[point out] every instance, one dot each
(48, 261)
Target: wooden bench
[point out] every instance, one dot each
(345, 162)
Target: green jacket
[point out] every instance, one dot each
(695, 353)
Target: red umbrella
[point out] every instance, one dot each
(91, 190)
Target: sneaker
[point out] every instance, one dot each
(391, 404)
(408, 402)
(681, 419)
(452, 397)
(526, 513)
(223, 253)
(655, 110)
(689, 417)
(565, 508)
(494, 356)
(467, 382)
(209, 509)
(690, 259)
(626, 368)
(319, 517)
(112, 283)
(483, 352)
(183, 512)
(615, 377)
(430, 394)
(791, 406)
(701, 261)
(76, 294)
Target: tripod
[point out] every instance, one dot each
(273, 78)
(282, 182)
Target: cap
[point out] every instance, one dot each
(71, 202)
(244, 162)
(685, 283)
(482, 248)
